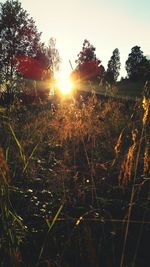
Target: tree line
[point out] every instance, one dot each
(90, 67)
(24, 56)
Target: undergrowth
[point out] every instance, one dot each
(87, 163)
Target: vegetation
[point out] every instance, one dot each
(113, 69)
(88, 65)
(77, 171)
(23, 57)
(74, 169)
(137, 65)
(19, 36)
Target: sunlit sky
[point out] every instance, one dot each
(107, 24)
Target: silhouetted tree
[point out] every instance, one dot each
(137, 65)
(88, 65)
(19, 39)
(113, 69)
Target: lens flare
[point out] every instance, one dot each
(65, 85)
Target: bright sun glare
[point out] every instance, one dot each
(65, 85)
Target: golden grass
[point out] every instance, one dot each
(85, 129)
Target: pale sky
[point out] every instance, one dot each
(107, 24)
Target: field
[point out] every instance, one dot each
(124, 89)
(75, 180)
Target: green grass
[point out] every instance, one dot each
(125, 89)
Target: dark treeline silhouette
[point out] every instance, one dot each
(89, 67)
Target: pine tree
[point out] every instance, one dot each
(113, 69)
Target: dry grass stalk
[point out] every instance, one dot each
(146, 160)
(128, 163)
(146, 106)
(118, 145)
(4, 177)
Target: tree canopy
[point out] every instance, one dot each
(137, 65)
(113, 68)
(21, 52)
(88, 65)
(18, 36)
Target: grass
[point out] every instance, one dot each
(74, 181)
(12, 228)
(123, 90)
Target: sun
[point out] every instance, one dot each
(65, 85)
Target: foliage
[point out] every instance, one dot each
(19, 36)
(88, 65)
(137, 66)
(53, 56)
(113, 68)
(50, 59)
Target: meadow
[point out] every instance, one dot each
(75, 181)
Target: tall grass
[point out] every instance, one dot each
(75, 150)
(136, 162)
(12, 228)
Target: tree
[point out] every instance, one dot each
(53, 56)
(113, 69)
(19, 39)
(88, 65)
(137, 65)
(43, 66)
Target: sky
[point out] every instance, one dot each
(107, 24)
